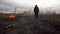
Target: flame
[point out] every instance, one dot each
(12, 16)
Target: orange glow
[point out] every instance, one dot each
(12, 16)
(7, 25)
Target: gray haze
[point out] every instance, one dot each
(9, 5)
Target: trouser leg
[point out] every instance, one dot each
(36, 15)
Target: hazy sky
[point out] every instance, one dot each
(9, 4)
(31, 3)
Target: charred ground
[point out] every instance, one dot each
(44, 24)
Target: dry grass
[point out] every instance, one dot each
(44, 24)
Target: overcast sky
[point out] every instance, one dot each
(31, 3)
(24, 4)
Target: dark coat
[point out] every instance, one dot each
(36, 9)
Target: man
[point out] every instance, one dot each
(36, 11)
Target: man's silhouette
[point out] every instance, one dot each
(36, 11)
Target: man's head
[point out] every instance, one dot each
(36, 5)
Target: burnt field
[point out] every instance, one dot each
(44, 24)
